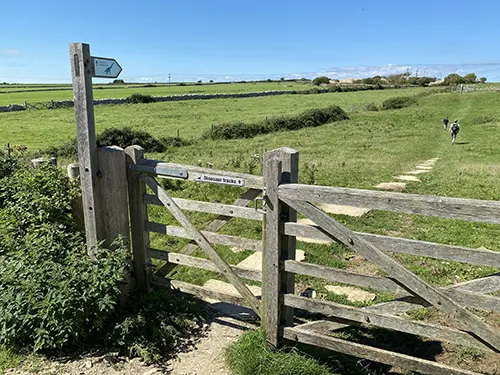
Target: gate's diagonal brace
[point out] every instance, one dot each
(203, 243)
(214, 226)
(406, 278)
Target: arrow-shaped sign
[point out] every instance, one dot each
(106, 68)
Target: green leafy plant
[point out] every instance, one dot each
(140, 98)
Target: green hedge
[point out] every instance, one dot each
(398, 102)
(309, 118)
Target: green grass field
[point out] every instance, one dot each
(370, 148)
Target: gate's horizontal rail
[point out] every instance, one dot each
(199, 291)
(474, 300)
(221, 239)
(197, 174)
(211, 208)
(378, 319)
(405, 246)
(205, 264)
(430, 205)
(371, 353)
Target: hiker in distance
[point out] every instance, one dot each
(454, 129)
(445, 123)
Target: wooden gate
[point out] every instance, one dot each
(141, 175)
(412, 292)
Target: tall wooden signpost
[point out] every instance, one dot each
(83, 68)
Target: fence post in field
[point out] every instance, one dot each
(280, 165)
(138, 218)
(112, 178)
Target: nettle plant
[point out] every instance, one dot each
(51, 293)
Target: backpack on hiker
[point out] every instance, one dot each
(455, 128)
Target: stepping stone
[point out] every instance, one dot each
(344, 210)
(421, 166)
(254, 261)
(352, 294)
(419, 171)
(407, 178)
(311, 240)
(399, 186)
(223, 287)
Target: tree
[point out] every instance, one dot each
(319, 80)
(482, 79)
(470, 78)
(453, 79)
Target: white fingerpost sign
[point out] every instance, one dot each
(106, 68)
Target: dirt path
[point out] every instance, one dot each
(225, 324)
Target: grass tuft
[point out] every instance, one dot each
(250, 355)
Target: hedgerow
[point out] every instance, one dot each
(309, 118)
(398, 102)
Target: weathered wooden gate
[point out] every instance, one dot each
(284, 197)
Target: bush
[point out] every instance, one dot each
(155, 323)
(140, 98)
(125, 137)
(53, 294)
(398, 102)
(309, 118)
(251, 355)
(319, 80)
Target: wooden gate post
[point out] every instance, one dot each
(280, 165)
(112, 181)
(138, 218)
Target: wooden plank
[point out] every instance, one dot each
(204, 244)
(379, 319)
(344, 276)
(152, 166)
(405, 246)
(200, 291)
(431, 205)
(211, 208)
(138, 218)
(205, 264)
(272, 251)
(114, 195)
(372, 353)
(81, 65)
(407, 279)
(221, 239)
(474, 300)
(247, 197)
(488, 284)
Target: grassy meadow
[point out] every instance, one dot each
(369, 148)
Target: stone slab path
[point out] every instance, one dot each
(399, 186)
(407, 178)
(254, 261)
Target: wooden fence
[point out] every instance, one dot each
(280, 304)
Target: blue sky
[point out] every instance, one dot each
(235, 39)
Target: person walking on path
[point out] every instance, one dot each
(454, 129)
(445, 123)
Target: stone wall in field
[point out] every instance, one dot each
(172, 98)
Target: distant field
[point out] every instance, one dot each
(43, 128)
(65, 92)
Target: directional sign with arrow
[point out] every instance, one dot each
(106, 68)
